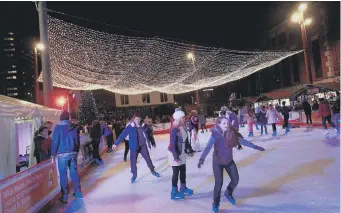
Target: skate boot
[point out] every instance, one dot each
(287, 130)
(78, 194)
(99, 162)
(266, 132)
(215, 207)
(62, 200)
(133, 179)
(230, 197)
(274, 133)
(249, 135)
(202, 131)
(184, 190)
(156, 174)
(326, 132)
(252, 134)
(175, 194)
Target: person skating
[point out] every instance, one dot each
(285, 112)
(241, 116)
(307, 111)
(193, 128)
(65, 145)
(139, 141)
(250, 122)
(202, 122)
(326, 114)
(271, 115)
(336, 113)
(177, 156)
(263, 121)
(108, 134)
(224, 139)
(95, 135)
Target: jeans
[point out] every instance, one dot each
(126, 149)
(95, 149)
(176, 170)
(325, 119)
(64, 162)
(109, 140)
(308, 116)
(145, 154)
(232, 171)
(336, 118)
(265, 128)
(286, 120)
(274, 127)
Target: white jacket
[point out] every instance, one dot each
(271, 115)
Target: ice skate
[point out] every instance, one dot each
(156, 174)
(215, 207)
(274, 133)
(184, 190)
(176, 195)
(133, 179)
(230, 198)
(287, 130)
(78, 194)
(326, 132)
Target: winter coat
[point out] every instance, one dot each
(131, 131)
(202, 119)
(324, 109)
(42, 147)
(232, 117)
(106, 131)
(271, 115)
(95, 132)
(193, 123)
(306, 106)
(285, 110)
(262, 119)
(65, 139)
(222, 152)
(176, 148)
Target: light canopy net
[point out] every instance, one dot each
(85, 59)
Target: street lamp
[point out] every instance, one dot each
(61, 102)
(298, 17)
(190, 56)
(40, 47)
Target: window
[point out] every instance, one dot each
(10, 33)
(11, 44)
(282, 38)
(10, 55)
(124, 100)
(12, 72)
(9, 39)
(12, 77)
(317, 58)
(9, 49)
(12, 88)
(163, 97)
(146, 98)
(13, 66)
(13, 94)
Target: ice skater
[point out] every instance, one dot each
(250, 122)
(262, 121)
(139, 139)
(241, 116)
(202, 122)
(177, 156)
(285, 112)
(193, 127)
(224, 139)
(271, 115)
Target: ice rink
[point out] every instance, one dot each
(298, 172)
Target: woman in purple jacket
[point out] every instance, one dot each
(224, 139)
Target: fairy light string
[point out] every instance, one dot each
(86, 59)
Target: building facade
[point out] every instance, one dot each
(323, 36)
(17, 67)
(148, 99)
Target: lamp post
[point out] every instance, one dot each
(190, 56)
(298, 17)
(37, 47)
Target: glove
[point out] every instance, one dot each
(201, 162)
(259, 148)
(239, 147)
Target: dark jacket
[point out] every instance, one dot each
(131, 130)
(285, 110)
(175, 145)
(96, 132)
(262, 120)
(42, 147)
(306, 106)
(65, 139)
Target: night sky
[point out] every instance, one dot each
(233, 25)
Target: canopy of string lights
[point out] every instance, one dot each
(86, 59)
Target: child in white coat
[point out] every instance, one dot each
(271, 115)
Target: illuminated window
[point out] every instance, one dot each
(12, 72)
(146, 98)
(12, 88)
(163, 97)
(12, 77)
(10, 33)
(13, 66)
(9, 49)
(124, 100)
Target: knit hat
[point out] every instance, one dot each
(178, 114)
(65, 116)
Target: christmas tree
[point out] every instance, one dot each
(88, 110)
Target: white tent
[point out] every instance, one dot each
(16, 117)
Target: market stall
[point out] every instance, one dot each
(19, 120)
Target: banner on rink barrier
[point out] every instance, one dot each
(27, 191)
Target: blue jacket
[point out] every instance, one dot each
(176, 140)
(65, 139)
(106, 131)
(131, 130)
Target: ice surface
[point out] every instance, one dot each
(298, 172)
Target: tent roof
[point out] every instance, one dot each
(18, 108)
(250, 99)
